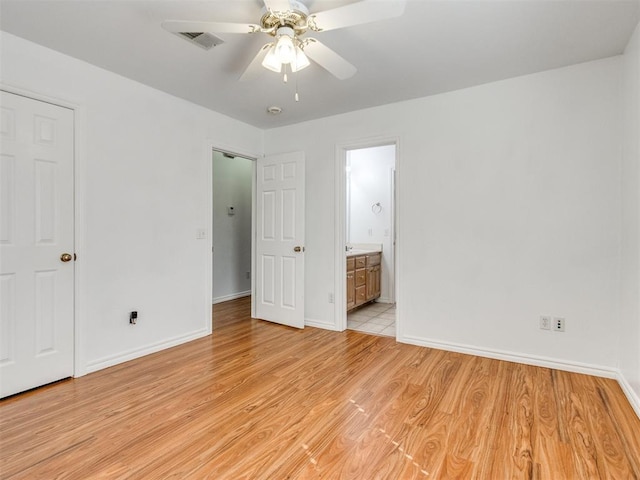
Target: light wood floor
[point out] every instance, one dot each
(261, 401)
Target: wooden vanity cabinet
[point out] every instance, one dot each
(351, 282)
(363, 279)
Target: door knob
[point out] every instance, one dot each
(66, 257)
(298, 249)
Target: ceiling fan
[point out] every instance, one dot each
(287, 22)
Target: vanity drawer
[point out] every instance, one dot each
(351, 263)
(361, 277)
(373, 259)
(361, 262)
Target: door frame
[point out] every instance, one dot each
(340, 261)
(209, 146)
(79, 215)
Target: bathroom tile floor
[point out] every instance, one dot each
(376, 318)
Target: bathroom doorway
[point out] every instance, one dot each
(370, 239)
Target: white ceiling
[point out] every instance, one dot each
(436, 46)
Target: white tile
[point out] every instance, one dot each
(352, 324)
(363, 312)
(390, 331)
(387, 316)
(371, 328)
(382, 321)
(378, 307)
(359, 317)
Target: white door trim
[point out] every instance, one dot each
(79, 217)
(340, 282)
(209, 146)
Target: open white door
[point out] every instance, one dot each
(36, 243)
(280, 239)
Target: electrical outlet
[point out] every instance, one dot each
(201, 234)
(558, 324)
(331, 298)
(248, 275)
(545, 322)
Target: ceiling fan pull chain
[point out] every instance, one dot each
(296, 96)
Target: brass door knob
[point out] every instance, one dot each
(298, 249)
(66, 257)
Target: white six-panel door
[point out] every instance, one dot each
(280, 239)
(36, 229)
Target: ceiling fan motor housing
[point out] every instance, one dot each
(295, 18)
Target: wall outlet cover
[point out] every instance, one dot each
(545, 322)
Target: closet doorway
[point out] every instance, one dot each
(232, 204)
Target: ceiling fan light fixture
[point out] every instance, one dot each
(271, 60)
(285, 48)
(301, 61)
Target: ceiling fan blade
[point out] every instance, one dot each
(277, 5)
(177, 26)
(328, 59)
(366, 11)
(255, 67)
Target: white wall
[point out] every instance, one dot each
(630, 265)
(145, 189)
(370, 183)
(508, 209)
(232, 183)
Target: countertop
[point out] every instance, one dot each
(362, 251)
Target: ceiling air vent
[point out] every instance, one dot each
(204, 40)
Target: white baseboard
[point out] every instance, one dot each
(309, 322)
(631, 394)
(233, 296)
(112, 360)
(534, 360)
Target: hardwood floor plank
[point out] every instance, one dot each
(257, 400)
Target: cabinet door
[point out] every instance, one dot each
(361, 295)
(377, 290)
(373, 282)
(351, 290)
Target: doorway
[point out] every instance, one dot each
(275, 246)
(368, 233)
(232, 217)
